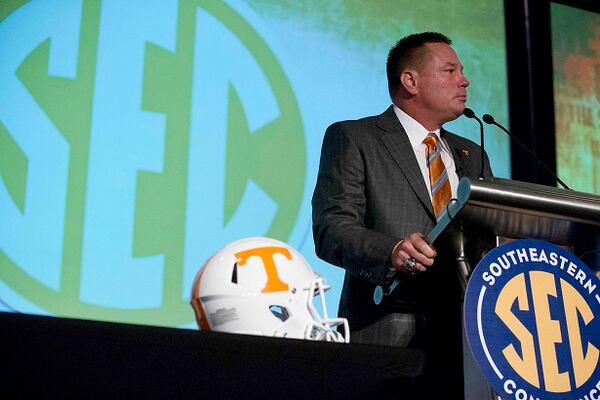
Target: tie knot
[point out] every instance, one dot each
(430, 140)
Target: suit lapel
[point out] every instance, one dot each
(459, 155)
(396, 141)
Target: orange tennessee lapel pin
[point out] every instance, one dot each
(466, 152)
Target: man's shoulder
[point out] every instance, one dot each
(365, 122)
(363, 130)
(366, 125)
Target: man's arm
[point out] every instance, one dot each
(339, 206)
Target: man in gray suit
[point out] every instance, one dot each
(376, 197)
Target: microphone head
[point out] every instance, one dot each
(467, 112)
(488, 119)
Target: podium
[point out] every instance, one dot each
(489, 213)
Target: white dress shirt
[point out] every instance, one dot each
(416, 134)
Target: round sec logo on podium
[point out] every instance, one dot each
(532, 318)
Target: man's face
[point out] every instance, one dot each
(441, 85)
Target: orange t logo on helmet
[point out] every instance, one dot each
(274, 283)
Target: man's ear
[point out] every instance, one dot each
(408, 80)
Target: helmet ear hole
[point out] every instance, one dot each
(280, 312)
(234, 278)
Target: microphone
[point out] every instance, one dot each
(467, 112)
(488, 119)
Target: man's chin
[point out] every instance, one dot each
(456, 113)
(451, 115)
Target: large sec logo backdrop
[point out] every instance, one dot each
(138, 137)
(532, 317)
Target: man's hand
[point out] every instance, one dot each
(414, 247)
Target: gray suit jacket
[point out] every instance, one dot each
(370, 194)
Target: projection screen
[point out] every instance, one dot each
(138, 137)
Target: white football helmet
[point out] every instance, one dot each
(262, 286)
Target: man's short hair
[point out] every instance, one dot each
(408, 52)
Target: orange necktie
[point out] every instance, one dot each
(438, 177)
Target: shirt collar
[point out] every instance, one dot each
(415, 131)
